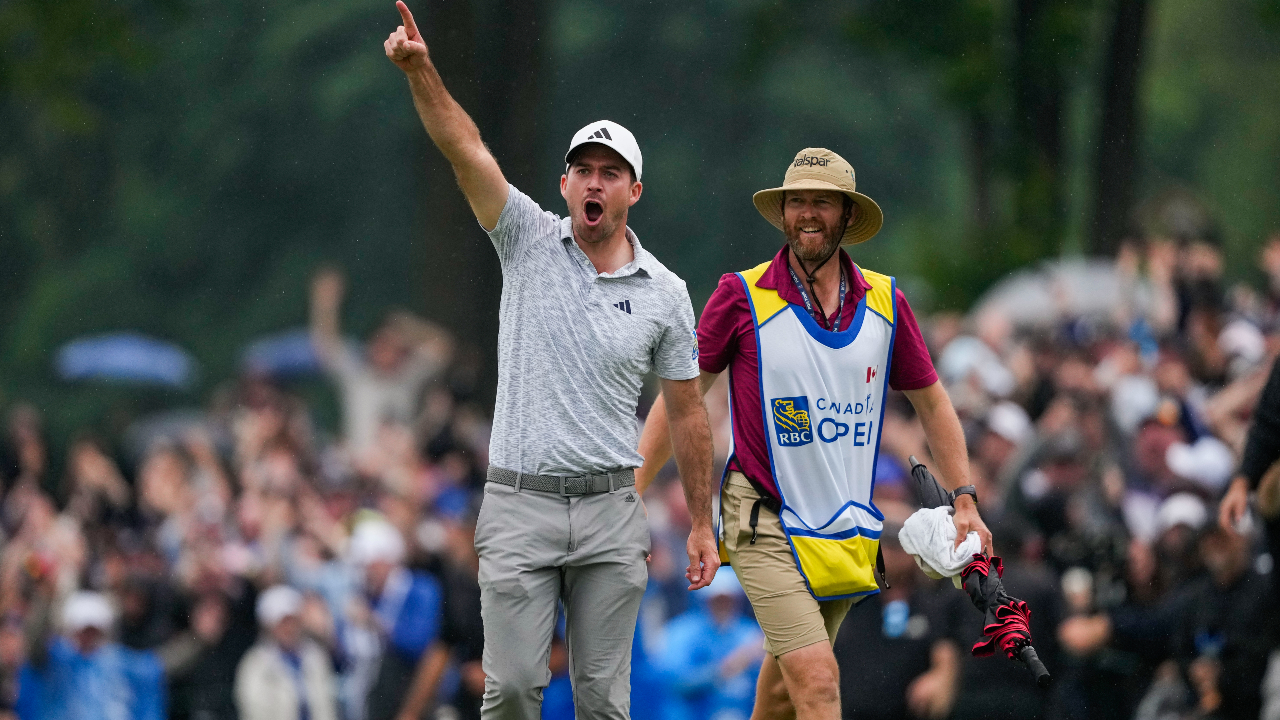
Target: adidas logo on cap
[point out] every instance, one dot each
(614, 136)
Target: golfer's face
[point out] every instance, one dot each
(598, 190)
(812, 219)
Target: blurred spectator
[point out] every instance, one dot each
(1100, 441)
(712, 655)
(1007, 429)
(1258, 468)
(286, 676)
(83, 674)
(97, 494)
(386, 384)
(1226, 629)
(462, 629)
(202, 680)
(406, 608)
(1217, 632)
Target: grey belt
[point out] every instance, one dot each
(581, 485)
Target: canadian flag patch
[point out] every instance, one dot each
(871, 373)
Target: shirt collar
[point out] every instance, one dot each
(777, 277)
(643, 260)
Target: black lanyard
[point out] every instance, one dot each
(804, 295)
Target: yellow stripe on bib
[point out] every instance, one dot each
(880, 296)
(836, 568)
(765, 302)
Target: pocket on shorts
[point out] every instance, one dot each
(639, 520)
(767, 524)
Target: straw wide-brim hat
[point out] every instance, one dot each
(821, 169)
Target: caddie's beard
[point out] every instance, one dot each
(811, 253)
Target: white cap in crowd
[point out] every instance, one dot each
(277, 603)
(725, 583)
(1208, 462)
(87, 610)
(610, 134)
(376, 540)
(967, 355)
(1009, 421)
(1181, 509)
(1134, 398)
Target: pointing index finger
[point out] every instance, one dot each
(411, 29)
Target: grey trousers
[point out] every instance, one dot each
(537, 549)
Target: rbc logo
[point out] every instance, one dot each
(791, 421)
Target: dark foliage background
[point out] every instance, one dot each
(180, 167)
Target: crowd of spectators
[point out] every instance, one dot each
(242, 562)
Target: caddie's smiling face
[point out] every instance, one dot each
(814, 221)
(599, 187)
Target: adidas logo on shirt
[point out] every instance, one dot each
(624, 306)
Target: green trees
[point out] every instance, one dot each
(1012, 69)
(180, 171)
(179, 167)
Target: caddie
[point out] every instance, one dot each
(812, 343)
(586, 312)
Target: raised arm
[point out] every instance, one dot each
(449, 126)
(327, 288)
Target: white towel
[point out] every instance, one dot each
(929, 536)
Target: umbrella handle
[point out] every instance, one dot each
(1029, 658)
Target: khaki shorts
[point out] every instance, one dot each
(789, 616)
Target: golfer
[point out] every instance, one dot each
(812, 343)
(586, 313)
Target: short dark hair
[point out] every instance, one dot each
(573, 158)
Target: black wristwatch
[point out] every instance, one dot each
(964, 490)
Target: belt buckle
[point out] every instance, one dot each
(566, 489)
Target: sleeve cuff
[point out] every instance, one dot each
(504, 217)
(917, 383)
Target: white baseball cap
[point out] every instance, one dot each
(277, 603)
(1208, 462)
(1181, 509)
(1009, 421)
(87, 610)
(376, 540)
(609, 134)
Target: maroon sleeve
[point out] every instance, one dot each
(720, 325)
(911, 368)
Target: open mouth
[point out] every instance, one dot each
(593, 211)
(812, 232)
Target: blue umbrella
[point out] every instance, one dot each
(285, 354)
(127, 357)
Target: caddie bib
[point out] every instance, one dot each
(822, 395)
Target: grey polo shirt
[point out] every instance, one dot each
(574, 346)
